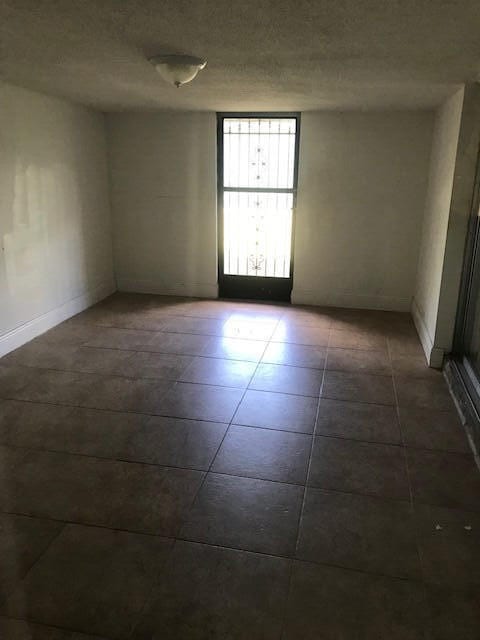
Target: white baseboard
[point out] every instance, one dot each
(190, 289)
(33, 328)
(350, 300)
(434, 355)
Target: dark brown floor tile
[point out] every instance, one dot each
(373, 321)
(265, 454)
(65, 357)
(414, 367)
(167, 366)
(151, 499)
(114, 338)
(216, 371)
(358, 387)
(195, 325)
(254, 515)
(453, 614)
(161, 342)
(301, 334)
(64, 387)
(71, 332)
(142, 319)
(95, 391)
(209, 592)
(359, 361)
(68, 429)
(328, 603)
(449, 546)
(122, 495)
(10, 458)
(359, 532)
(406, 344)
(243, 326)
(60, 486)
(92, 580)
(283, 379)
(200, 402)
(359, 467)
(298, 355)
(11, 629)
(14, 379)
(277, 411)
(315, 316)
(431, 429)
(431, 394)
(142, 312)
(174, 442)
(353, 339)
(444, 479)
(140, 395)
(127, 436)
(234, 349)
(180, 343)
(260, 311)
(358, 421)
(22, 542)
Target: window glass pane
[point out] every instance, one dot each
(257, 233)
(259, 153)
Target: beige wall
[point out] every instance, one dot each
(361, 192)
(435, 221)
(55, 229)
(163, 176)
(362, 182)
(460, 210)
(447, 211)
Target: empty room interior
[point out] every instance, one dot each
(239, 320)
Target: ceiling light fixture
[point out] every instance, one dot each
(178, 69)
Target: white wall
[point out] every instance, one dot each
(362, 184)
(435, 223)
(361, 193)
(163, 175)
(453, 167)
(55, 228)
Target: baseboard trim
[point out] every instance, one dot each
(350, 300)
(434, 355)
(35, 327)
(190, 289)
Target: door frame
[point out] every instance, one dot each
(254, 287)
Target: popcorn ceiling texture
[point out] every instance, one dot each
(262, 54)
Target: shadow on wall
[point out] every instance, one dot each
(54, 205)
(163, 175)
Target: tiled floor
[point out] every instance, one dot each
(191, 470)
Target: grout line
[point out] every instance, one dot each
(302, 507)
(224, 436)
(325, 489)
(230, 423)
(200, 487)
(294, 559)
(43, 625)
(412, 500)
(19, 580)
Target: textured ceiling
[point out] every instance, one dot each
(262, 54)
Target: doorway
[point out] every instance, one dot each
(257, 186)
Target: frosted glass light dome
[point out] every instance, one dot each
(178, 69)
